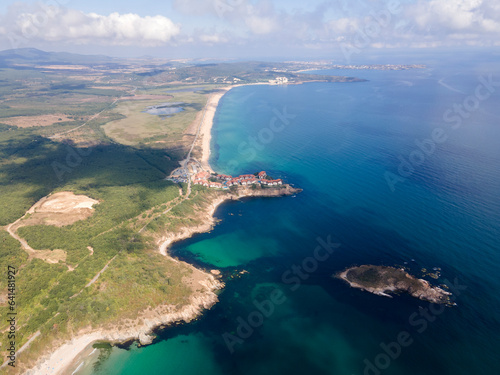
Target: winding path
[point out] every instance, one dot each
(22, 241)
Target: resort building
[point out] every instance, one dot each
(226, 181)
(279, 81)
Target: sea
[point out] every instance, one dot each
(402, 169)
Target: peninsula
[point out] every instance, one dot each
(382, 280)
(109, 188)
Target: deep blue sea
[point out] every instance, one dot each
(343, 143)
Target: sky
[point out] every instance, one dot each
(247, 28)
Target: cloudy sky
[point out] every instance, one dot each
(247, 28)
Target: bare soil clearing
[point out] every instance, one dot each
(30, 121)
(58, 209)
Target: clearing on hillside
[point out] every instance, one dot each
(60, 209)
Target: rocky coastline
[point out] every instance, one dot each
(383, 281)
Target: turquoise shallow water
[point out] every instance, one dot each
(337, 141)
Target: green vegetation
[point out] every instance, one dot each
(11, 253)
(185, 213)
(368, 277)
(128, 182)
(32, 167)
(136, 127)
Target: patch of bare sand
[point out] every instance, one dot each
(50, 256)
(60, 209)
(63, 67)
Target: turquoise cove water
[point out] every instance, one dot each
(343, 143)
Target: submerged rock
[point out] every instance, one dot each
(382, 280)
(145, 339)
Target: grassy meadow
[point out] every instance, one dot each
(174, 132)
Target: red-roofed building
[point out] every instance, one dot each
(216, 185)
(246, 176)
(274, 182)
(200, 181)
(227, 180)
(202, 175)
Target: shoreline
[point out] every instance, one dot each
(208, 214)
(384, 280)
(206, 125)
(67, 356)
(207, 122)
(166, 241)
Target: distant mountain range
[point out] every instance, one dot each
(33, 56)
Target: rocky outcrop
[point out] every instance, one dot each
(382, 280)
(259, 191)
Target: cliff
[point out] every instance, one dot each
(206, 213)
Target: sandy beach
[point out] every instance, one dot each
(207, 123)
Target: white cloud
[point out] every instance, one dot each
(450, 16)
(258, 18)
(196, 7)
(343, 25)
(424, 23)
(260, 25)
(57, 24)
(212, 38)
(267, 24)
